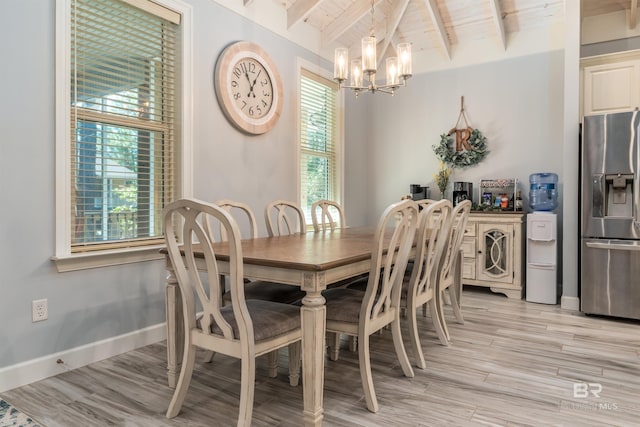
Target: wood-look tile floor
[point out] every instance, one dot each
(512, 363)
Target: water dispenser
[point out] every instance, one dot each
(543, 192)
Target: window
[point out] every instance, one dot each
(119, 156)
(320, 137)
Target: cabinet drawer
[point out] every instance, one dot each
(470, 229)
(469, 268)
(468, 246)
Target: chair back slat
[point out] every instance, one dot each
(432, 237)
(283, 218)
(327, 214)
(382, 296)
(234, 207)
(459, 219)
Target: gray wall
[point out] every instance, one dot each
(516, 103)
(90, 305)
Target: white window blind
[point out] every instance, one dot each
(318, 140)
(123, 62)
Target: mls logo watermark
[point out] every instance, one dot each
(585, 390)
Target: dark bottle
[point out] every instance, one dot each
(519, 201)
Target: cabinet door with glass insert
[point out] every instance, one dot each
(495, 252)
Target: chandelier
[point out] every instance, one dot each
(398, 68)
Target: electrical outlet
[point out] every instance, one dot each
(39, 310)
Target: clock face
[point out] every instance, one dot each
(248, 88)
(251, 88)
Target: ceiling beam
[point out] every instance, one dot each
(300, 10)
(633, 14)
(347, 19)
(396, 16)
(497, 19)
(432, 7)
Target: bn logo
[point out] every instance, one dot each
(584, 390)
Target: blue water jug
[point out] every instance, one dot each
(543, 192)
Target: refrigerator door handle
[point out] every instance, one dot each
(598, 196)
(620, 246)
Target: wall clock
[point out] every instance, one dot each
(248, 87)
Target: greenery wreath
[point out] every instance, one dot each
(446, 150)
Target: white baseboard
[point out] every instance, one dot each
(570, 303)
(53, 364)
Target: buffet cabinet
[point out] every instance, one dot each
(493, 252)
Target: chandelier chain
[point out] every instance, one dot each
(373, 20)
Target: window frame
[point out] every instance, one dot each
(64, 259)
(339, 137)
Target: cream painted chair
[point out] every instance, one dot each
(327, 215)
(419, 285)
(356, 313)
(450, 279)
(256, 289)
(245, 329)
(259, 289)
(283, 217)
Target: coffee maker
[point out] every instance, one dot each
(462, 191)
(418, 192)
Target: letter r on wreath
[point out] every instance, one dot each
(462, 138)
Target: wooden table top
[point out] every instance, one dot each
(309, 252)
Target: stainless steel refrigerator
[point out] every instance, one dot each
(610, 227)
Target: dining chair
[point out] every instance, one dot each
(327, 215)
(259, 289)
(356, 313)
(419, 283)
(450, 278)
(245, 329)
(283, 217)
(253, 289)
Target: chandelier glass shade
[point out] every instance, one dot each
(398, 68)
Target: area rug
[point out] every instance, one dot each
(10, 416)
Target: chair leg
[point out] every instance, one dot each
(334, 345)
(353, 344)
(273, 363)
(401, 353)
(208, 356)
(416, 348)
(440, 314)
(184, 380)
(247, 386)
(295, 350)
(435, 318)
(365, 374)
(455, 304)
(456, 291)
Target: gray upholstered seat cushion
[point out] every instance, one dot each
(343, 304)
(270, 319)
(270, 291)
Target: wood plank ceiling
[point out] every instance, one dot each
(434, 24)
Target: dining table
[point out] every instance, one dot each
(310, 261)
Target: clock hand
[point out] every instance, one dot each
(246, 74)
(253, 84)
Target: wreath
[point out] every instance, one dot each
(470, 147)
(448, 152)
